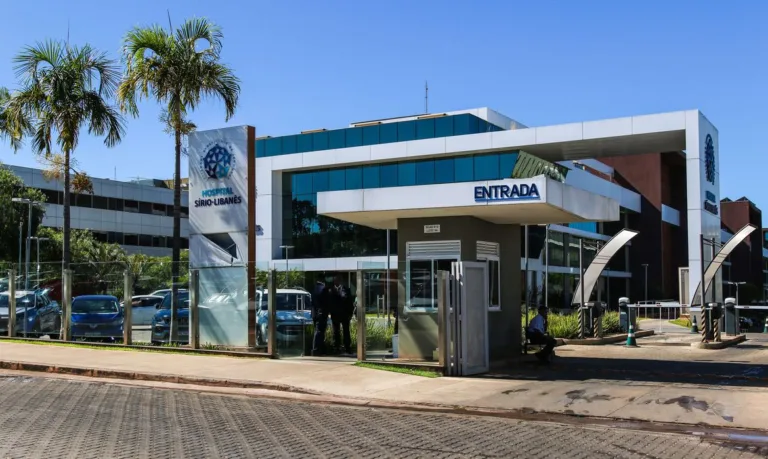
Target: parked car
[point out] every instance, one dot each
(165, 291)
(43, 316)
(97, 317)
(143, 308)
(293, 310)
(161, 321)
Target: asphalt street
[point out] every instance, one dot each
(59, 418)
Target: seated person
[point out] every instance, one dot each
(537, 334)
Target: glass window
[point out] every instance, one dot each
(388, 133)
(337, 180)
(406, 174)
(584, 226)
(354, 177)
(425, 129)
(274, 146)
(444, 170)
(487, 167)
(320, 141)
(117, 204)
(158, 209)
(371, 135)
(337, 139)
(320, 181)
(494, 283)
(482, 125)
(464, 169)
(371, 177)
(461, 124)
(556, 249)
(302, 183)
(406, 130)
(304, 142)
(261, 148)
(289, 144)
(444, 126)
(507, 164)
(131, 239)
(131, 206)
(100, 202)
(388, 175)
(354, 137)
(425, 172)
(145, 240)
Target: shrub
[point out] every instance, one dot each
(567, 325)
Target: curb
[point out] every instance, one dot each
(608, 339)
(728, 342)
(155, 377)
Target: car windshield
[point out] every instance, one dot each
(182, 300)
(95, 306)
(20, 300)
(289, 301)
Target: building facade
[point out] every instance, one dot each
(137, 216)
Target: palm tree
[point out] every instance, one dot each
(178, 73)
(12, 133)
(65, 89)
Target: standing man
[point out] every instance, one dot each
(320, 311)
(342, 308)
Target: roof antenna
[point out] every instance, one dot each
(67, 33)
(170, 26)
(426, 98)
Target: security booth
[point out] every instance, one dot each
(470, 235)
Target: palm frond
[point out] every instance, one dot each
(196, 29)
(28, 63)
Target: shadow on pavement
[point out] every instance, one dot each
(699, 371)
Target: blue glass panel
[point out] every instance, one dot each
(425, 129)
(304, 143)
(337, 179)
(320, 141)
(354, 137)
(482, 125)
(425, 172)
(371, 177)
(406, 174)
(406, 130)
(289, 144)
(321, 181)
(507, 164)
(464, 169)
(584, 226)
(370, 135)
(261, 148)
(293, 184)
(487, 167)
(388, 175)
(461, 124)
(274, 146)
(388, 133)
(474, 124)
(354, 178)
(444, 172)
(337, 139)
(303, 183)
(444, 126)
(309, 197)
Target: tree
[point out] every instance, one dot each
(65, 89)
(169, 68)
(11, 186)
(12, 132)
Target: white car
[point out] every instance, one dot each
(165, 291)
(143, 308)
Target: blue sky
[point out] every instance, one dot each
(312, 64)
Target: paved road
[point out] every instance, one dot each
(55, 418)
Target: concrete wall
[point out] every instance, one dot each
(418, 334)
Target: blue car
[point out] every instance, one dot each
(97, 317)
(43, 316)
(161, 322)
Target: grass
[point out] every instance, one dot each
(378, 336)
(567, 325)
(398, 369)
(681, 322)
(168, 348)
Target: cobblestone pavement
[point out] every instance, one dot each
(55, 418)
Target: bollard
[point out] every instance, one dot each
(581, 321)
(631, 340)
(694, 326)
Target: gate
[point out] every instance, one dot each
(463, 297)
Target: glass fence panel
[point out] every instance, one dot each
(223, 307)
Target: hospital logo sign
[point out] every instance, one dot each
(218, 162)
(492, 193)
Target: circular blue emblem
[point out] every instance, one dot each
(218, 162)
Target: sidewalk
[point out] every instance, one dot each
(745, 407)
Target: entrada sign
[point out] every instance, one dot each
(522, 192)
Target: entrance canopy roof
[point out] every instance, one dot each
(537, 200)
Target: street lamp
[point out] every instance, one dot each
(286, 248)
(737, 288)
(30, 203)
(645, 265)
(38, 239)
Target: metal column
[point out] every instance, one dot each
(194, 312)
(12, 303)
(272, 313)
(443, 300)
(361, 325)
(66, 304)
(127, 308)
